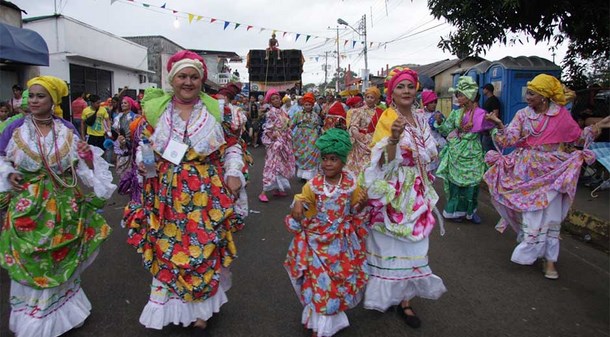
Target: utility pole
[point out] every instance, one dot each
(365, 83)
(338, 64)
(325, 69)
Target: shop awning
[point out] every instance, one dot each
(19, 45)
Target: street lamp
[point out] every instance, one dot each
(361, 31)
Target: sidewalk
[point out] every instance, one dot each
(589, 217)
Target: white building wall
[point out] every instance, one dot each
(73, 42)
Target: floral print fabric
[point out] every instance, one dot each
(277, 137)
(306, 130)
(327, 258)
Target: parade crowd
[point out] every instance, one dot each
(360, 224)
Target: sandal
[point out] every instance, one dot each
(263, 198)
(411, 320)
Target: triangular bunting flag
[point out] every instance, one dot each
(112, 1)
(174, 11)
(307, 38)
(260, 31)
(284, 35)
(191, 17)
(345, 43)
(199, 17)
(353, 44)
(248, 28)
(226, 24)
(317, 59)
(298, 35)
(237, 25)
(162, 6)
(371, 45)
(146, 5)
(212, 20)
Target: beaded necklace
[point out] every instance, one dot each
(56, 179)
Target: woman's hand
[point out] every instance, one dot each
(16, 179)
(85, 153)
(492, 117)
(398, 127)
(141, 169)
(234, 185)
(297, 211)
(438, 117)
(362, 201)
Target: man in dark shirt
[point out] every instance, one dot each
(491, 105)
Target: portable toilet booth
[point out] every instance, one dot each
(510, 75)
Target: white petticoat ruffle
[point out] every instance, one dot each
(164, 307)
(49, 312)
(399, 271)
(324, 325)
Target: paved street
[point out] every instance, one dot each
(487, 294)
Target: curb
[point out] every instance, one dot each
(589, 228)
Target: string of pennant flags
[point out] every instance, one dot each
(226, 24)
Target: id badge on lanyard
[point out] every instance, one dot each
(174, 151)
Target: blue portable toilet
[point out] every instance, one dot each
(510, 75)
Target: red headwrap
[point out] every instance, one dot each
(352, 102)
(397, 75)
(337, 110)
(230, 90)
(187, 54)
(309, 98)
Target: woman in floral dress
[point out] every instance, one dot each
(123, 143)
(326, 260)
(185, 224)
(533, 187)
(279, 158)
(429, 101)
(52, 231)
(306, 125)
(462, 160)
(402, 199)
(361, 128)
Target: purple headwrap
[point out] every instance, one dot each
(397, 75)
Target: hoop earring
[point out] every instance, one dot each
(52, 108)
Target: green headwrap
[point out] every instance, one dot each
(335, 141)
(467, 86)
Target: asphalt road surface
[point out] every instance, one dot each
(487, 294)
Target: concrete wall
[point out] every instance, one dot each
(159, 50)
(73, 42)
(10, 16)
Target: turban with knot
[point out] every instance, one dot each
(184, 59)
(467, 87)
(335, 141)
(56, 87)
(549, 87)
(397, 75)
(309, 98)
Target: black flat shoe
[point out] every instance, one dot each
(411, 320)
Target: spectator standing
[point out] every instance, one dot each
(491, 105)
(78, 106)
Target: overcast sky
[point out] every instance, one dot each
(414, 32)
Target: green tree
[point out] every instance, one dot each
(480, 24)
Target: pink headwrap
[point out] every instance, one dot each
(186, 58)
(270, 93)
(397, 75)
(428, 96)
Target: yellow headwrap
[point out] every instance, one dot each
(549, 87)
(373, 91)
(56, 87)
